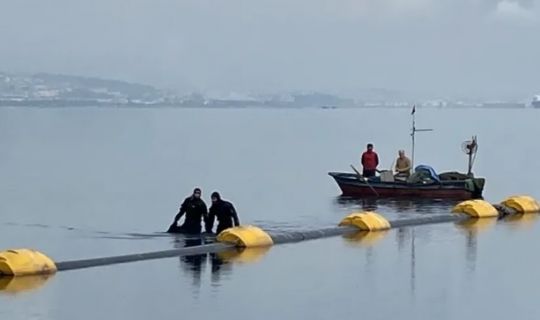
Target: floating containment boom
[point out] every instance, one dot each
(187, 251)
(24, 262)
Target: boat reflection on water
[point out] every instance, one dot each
(406, 237)
(395, 208)
(397, 205)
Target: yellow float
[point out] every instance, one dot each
(522, 204)
(23, 262)
(366, 221)
(245, 236)
(476, 209)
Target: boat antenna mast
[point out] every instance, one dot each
(414, 130)
(470, 148)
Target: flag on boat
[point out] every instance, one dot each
(413, 109)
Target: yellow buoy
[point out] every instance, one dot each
(22, 262)
(366, 221)
(476, 209)
(522, 204)
(245, 236)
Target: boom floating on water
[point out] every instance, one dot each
(26, 262)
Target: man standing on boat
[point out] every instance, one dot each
(195, 210)
(370, 161)
(403, 165)
(224, 212)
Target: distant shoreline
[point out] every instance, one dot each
(43, 90)
(60, 104)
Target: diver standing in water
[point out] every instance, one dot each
(225, 213)
(195, 210)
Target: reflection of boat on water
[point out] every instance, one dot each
(398, 204)
(424, 182)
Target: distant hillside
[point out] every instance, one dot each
(56, 87)
(132, 90)
(56, 90)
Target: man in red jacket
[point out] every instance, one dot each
(370, 161)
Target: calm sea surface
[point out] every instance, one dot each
(90, 182)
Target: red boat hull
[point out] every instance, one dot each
(360, 191)
(351, 186)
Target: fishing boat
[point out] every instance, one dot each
(423, 183)
(441, 188)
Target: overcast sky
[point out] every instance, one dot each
(483, 48)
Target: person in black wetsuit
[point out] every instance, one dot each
(224, 212)
(195, 210)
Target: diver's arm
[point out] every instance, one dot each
(209, 221)
(204, 211)
(235, 216)
(181, 212)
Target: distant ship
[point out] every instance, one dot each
(536, 101)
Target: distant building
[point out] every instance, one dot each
(435, 103)
(46, 93)
(536, 101)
